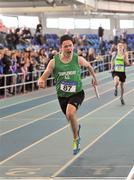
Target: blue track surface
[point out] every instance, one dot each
(36, 140)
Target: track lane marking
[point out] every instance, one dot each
(59, 130)
(98, 75)
(131, 174)
(38, 119)
(26, 110)
(89, 145)
(23, 101)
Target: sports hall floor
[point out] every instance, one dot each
(36, 139)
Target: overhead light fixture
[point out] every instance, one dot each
(74, 6)
(51, 2)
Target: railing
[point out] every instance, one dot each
(12, 84)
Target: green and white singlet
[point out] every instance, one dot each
(67, 76)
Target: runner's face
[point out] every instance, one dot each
(67, 47)
(120, 47)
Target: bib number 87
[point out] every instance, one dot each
(67, 88)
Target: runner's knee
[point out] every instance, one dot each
(70, 112)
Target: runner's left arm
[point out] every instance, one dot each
(83, 62)
(126, 59)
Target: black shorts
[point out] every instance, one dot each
(76, 100)
(121, 75)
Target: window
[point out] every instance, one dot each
(66, 23)
(95, 23)
(52, 23)
(10, 21)
(126, 24)
(82, 23)
(72, 23)
(28, 21)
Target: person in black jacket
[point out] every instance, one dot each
(100, 32)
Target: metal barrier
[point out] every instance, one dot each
(12, 84)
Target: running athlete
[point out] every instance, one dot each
(118, 62)
(67, 73)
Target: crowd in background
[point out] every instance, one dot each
(21, 52)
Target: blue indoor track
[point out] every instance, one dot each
(36, 139)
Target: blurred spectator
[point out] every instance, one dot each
(43, 59)
(6, 60)
(91, 55)
(2, 39)
(113, 48)
(102, 47)
(39, 35)
(100, 32)
(124, 35)
(10, 38)
(115, 35)
(17, 37)
(26, 33)
(2, 26)
(1, 73)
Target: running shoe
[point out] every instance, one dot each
(122, 101)
(76, 142)
(115, 92)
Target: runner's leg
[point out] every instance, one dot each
(71, 116)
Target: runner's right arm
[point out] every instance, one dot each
(46, 74)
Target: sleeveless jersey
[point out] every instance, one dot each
(119, 65)
(67, 76)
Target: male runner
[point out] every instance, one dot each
(67, 73)
(118, 62)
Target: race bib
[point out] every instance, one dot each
(119, 68)
(68, 86)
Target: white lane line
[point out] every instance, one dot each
(31, 122)
(42, 117)
(18, 127)
(26, 110)
(57, 165)
(25, 178)
(131, 174)
(88, 178)
(65, 178)
(30, 99)
(59, 130)
(89, 145)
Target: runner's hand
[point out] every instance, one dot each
(41, 83)
(94, 82)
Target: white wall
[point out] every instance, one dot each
(114, 19)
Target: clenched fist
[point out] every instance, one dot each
(41, 83)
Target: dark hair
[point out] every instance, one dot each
(121, 41)
(65, 38)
